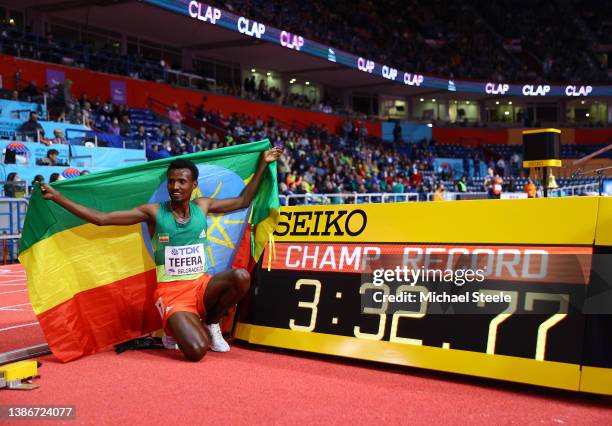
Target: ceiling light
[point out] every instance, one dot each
(253, 70)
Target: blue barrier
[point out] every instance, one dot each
(456, 164)
(78, 156)
(9, 127)
(19, 110)
(411, 132)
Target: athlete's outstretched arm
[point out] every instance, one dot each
(125, 217)
(213, 205)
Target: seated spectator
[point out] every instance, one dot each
(51, 159)
(13, 186)
(175, 116)
(58, 138)
(114, 128)
(124, 126)
(200, 112)
(31, 129)
(140, 136)
(38, 178)
(54, 177)
(31, 90)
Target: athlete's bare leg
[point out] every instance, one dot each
(190, 335)
(225, 290)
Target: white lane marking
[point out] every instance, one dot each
(16, 291)
(14, 306)
(18, 326)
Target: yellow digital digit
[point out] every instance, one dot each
(503, 316)
(408, 314)
(381, 312)
(563, 300)
(310, 305)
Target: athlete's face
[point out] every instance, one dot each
(180, 185)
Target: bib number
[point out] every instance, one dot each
(184, 260)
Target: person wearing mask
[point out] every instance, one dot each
(13, 186)
(114, 128)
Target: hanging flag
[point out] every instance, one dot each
(92, 286)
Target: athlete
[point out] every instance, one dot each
(190, 301)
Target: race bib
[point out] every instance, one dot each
(184, 260)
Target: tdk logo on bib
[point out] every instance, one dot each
(184, 260)
(180, 251)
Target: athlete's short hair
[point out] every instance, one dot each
(181, 163)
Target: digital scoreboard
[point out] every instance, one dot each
(494, 288)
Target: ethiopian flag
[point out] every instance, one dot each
(92, 286)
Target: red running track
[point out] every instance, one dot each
(247, 386)
(18, 325)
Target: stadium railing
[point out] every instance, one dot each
(355, 198)
(12, 218)
(574, 190)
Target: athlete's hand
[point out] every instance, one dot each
(49, 193)
(272, 154)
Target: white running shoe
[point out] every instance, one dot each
(217, 342)
(169, 342)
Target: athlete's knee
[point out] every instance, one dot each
(195, 351)
(242, 280)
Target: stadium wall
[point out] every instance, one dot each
(139, 91)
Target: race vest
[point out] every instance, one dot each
(180, 249)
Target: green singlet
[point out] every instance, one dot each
(180, 248)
